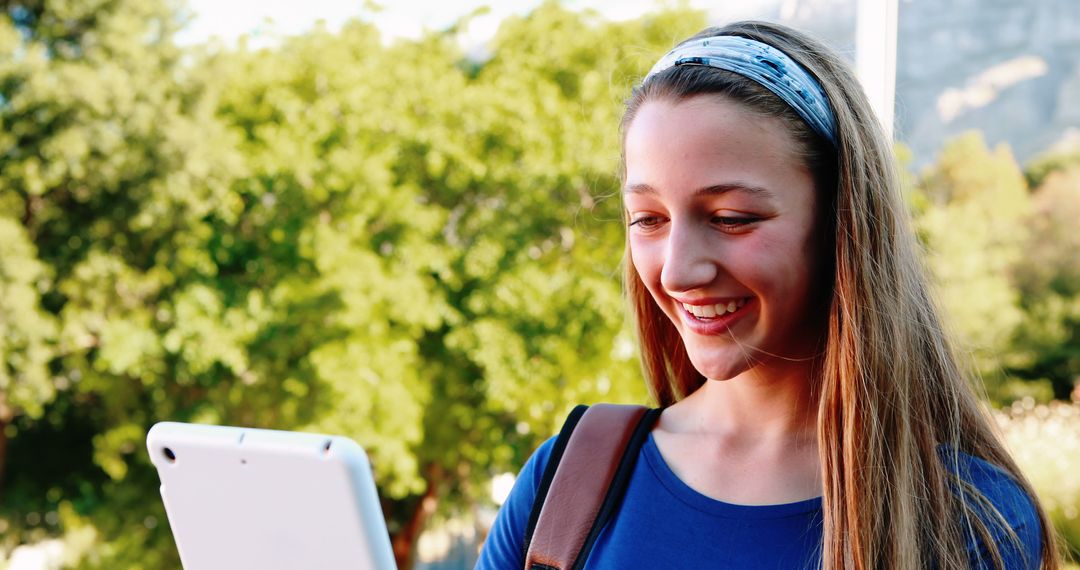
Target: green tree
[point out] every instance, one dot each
(1048, 276)
(972, 204)
(27, 332)
(110, 164)
(1007, 263)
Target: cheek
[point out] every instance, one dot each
(648, 260)
(777, 266)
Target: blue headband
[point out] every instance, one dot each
(764, 64)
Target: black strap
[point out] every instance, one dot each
(619, 482)
(549, 471)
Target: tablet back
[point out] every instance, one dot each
(242, 498)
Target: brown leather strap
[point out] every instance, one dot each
(580, 485)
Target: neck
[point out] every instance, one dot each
(763, 404)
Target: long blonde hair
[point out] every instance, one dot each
(895, 408)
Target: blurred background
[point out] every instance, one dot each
(400, 223)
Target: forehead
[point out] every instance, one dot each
(708, 141)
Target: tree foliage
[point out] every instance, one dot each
(1048, 278)
(974, 193)
(1006, 260)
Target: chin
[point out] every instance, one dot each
(717, 367)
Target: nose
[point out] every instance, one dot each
(688, 262)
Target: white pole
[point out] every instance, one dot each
(875, 56)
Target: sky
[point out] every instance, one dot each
(228, 19)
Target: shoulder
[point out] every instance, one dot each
(528, 479)
(1007, 509)
(505, 544)
(999, 487)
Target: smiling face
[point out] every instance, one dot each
(722, 216)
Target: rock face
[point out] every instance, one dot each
(1009, 68)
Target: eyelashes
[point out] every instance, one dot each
(650, 222)
(645, 221)
(735, 221)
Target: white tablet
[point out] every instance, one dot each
(240, 498)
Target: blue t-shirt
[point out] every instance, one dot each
(663, 523)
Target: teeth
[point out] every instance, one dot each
(717, 310)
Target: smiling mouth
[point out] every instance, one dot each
(716, 311)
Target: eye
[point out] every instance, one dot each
(734, 223)
(645, 222)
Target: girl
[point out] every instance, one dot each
(814, 414)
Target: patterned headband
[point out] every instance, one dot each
(764, 64)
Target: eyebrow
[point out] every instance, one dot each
(713, 190)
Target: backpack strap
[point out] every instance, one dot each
(584, 482)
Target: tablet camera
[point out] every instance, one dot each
(169, 454)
